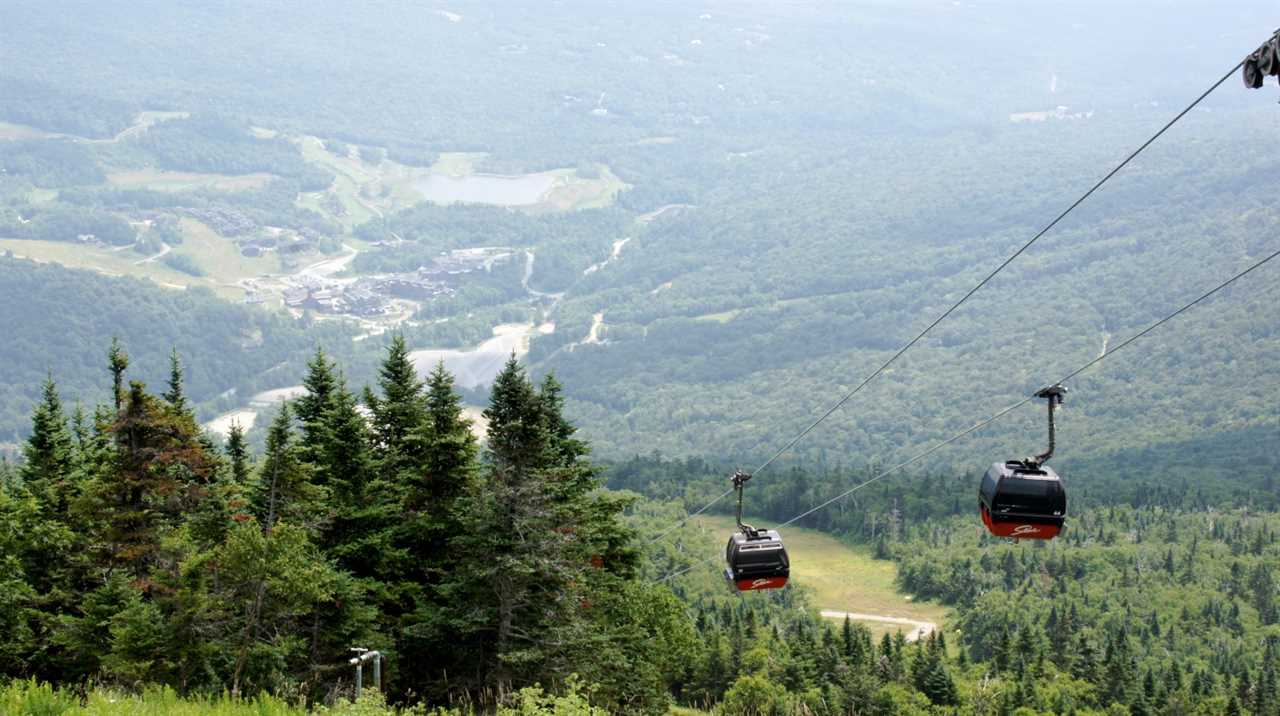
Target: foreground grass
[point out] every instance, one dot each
(24, 698)
(28, 698)
(841, 577)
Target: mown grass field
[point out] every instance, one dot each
(220, 258)
(10, 131)
(217, 257)
(839, 576)
(95, 258)
(162, 180)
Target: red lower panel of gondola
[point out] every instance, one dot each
(1019, 530)
(747, 585)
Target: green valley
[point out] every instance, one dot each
(422, 328)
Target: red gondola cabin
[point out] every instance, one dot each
(757, 560)
(1022, 502)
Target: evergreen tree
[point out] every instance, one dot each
(283, 490)
(519, 541)
(361, 506)
(174, 395)
(314, 406)
(118, 362)
(158, 468)
(565, 447)
(48, 456)
(431, 490)
(517, 433)
(448, 448)
(345, 458)
(397, 412)
(238, 452)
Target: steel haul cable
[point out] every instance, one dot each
(848, 396)
(1000, 414)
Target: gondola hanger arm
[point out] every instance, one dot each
(1054, 394)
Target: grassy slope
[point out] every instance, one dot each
(841, 577)
(165, 180)
(217, 257)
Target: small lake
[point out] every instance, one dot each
(486, 189)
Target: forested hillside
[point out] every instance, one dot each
(794, 201)
(136, 553)
(80, 312)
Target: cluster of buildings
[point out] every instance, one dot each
(326, 297)
(373, 295)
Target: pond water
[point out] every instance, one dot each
(486, 189)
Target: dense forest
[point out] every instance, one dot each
(85, 307)
(138, 554)
(1159, 600)
(135, 552)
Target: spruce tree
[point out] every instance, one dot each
(344, 457)
(361, 504)
(565, 448)
(397, 412)
(160, 470)
(433, 486)
(313, 407)
(520, 562)
(174, 395)
(47, 456)
(283, 490)
(449, 448)
(238, 452)
(118, 362)
(517, 433)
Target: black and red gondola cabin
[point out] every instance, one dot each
(756, 560)
(1025, 499)
(1022, 502)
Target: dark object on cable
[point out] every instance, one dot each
(1268, 59)
(1262, 63)
(755, 558)
(1025, 499)
(1251, 72)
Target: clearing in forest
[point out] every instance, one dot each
(843, 578)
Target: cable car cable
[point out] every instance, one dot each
(1000, 414)
(1030, 398)
(848, 396)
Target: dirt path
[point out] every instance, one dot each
(646, 218)
(613, 256)
(922, 629)
(597, 323)
(151, 259)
